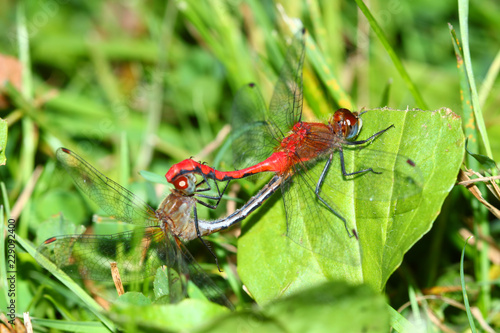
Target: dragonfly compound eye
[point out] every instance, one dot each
(181, 183)
(185, 183)
(352, 125)
(346, 122)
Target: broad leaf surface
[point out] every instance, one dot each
(165, 318)
(329, 307)
(270, 264)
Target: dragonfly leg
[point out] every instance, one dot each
(203, 181)
(218, 197)
(371, 138)
(195, 214)
(208, 188)
(318, 188)
(354, 143)
(342, 165)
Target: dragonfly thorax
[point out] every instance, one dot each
(308, 140)
(175, 213)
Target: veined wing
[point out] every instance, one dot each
(312, 225)
(322, 223)
(138, 253)
(113, 198)
(285, 108)
(257, 130)
(395, 177)
(190, 268)
(252, 138)
(321, 226)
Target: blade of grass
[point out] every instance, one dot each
(471, 132)
(234, 283)
(124, 161)
(384, 101)
(490, 78)
(327, 21)
(468, 119)
(5, 199)
(415, 309)
(93, 306)
(464, 291)
(35, 114)
(4, 132)
(398, 322)
(481, 225)
(392, 54)
(104, 72)
(223, 36)
(73, 326)
(65, 313)
(158, 87)
(463, 16)
(24, 55)
(265, 33)
(327, 75)
(29, 138)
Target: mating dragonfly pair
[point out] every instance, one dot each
(273, 139)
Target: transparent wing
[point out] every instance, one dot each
(138, 253)
(113, 198)
(195, 273)
(256, 131)
(252, 140)
(395, 176)
(285, 109)
(311, 225)
(321, 226)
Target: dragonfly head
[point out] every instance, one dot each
(185, 183)
(346, 122)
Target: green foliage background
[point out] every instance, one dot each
(142, 85)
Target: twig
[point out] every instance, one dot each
(117, 279)
(26, 193)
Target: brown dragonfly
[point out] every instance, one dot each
(156, 239)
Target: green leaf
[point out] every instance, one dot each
(3, 140)
(332, 307)
(400, 323)
(464, 290)
(56, 225)
(165, 317)
(271, 265)
(486, 162)
(329, 307)
(154, 177)
(133, 298)
(163, 283)
(68, 204)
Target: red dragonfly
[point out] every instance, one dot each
(277, 140)
(155, 240)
